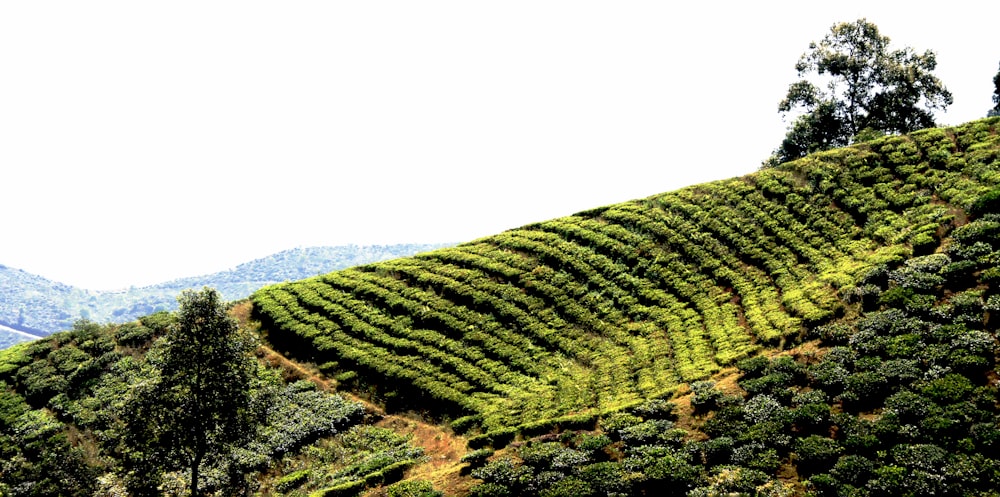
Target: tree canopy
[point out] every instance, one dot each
(852, 83)
(199, 403)
(995, 111)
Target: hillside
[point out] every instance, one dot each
(563, 323)
(38, 306)
(826, 327)
(594, 312)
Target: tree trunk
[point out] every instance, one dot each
(195, 466)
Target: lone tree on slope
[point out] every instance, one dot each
(866, 87)
(198, 404)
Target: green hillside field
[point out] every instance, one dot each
(827, 327)
(559, 322)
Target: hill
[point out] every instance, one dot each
(826, 327)
(594, 312)
(563, 323)
(38, 306)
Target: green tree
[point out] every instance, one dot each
(196, 404)
(853, 84)
(995, 111)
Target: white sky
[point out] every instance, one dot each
(144, 141)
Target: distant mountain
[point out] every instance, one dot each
(37, 306)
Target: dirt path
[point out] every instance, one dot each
(443, 449)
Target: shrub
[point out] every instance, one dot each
(477, 457)
(754, 366)
(909, 407)
(465, 423)
(652, 432)
(823, 484)
(606, 478)
(552, 455)
(413, 488)
(927, 457)
(856, 434)
(866, 389)
(490, 490)
(291, 480)
(832, 333)
(812, 417)
(757, 456)
(731, 479)
(853, 469)
(133, 334)
(727, 421)
(764, 408)
(986, 203)
(566, 487)
(816, 453)
(948, 389)
(717, 450)
(618, 421)
(661, 466)
(779, 375)
(655, 409)
(829, 375)
(706, 396)
(503, 473)
(593, 442)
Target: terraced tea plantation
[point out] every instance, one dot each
(558, 322)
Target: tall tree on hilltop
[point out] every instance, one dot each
(198, 403)
(866, 88)
(995, 111)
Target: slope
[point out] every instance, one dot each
(560, 321)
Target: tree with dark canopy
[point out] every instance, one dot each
(197, 404)
(867, 89)
(995, 111)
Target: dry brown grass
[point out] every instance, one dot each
(443, 451)
(442, 448)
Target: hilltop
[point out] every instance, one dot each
(823, 327)
(38, 306)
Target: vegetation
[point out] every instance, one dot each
(900, 400)
(195, 405)
(823, 327)
(71, 408)
(870, 89)
(995, 111)
(562, 321)
(39, 307)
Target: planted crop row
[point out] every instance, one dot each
(469, 363)
(326, 337)
(597, 310)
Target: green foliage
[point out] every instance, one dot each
(199, 406)
(987, 203)
(871, 89)
(706, 396)
(601, 311)
(477, 457)
(995, 111)
(903, 405)
(292, 480)
(361, 457)
(412, 488)
(816, 453)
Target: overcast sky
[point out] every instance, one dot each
(144, 141)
